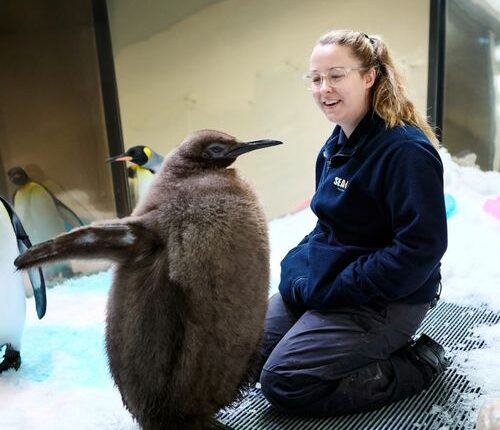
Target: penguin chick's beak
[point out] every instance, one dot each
(120, 157)
(251, 146)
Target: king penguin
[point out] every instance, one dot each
(41, 211)
(146, 163)
(42, 214)
(12, 296)
(188, 299)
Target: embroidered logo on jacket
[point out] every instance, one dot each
(340, 183)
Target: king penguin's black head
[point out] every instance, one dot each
(18, 176)
(139, 155)
(215, 149)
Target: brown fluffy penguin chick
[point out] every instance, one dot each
(189, 295)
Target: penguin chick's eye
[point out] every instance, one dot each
(214, 150)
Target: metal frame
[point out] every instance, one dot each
(110, 104)
(436, 71)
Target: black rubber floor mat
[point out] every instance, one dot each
(444, 406)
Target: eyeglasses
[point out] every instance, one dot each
(333, 76)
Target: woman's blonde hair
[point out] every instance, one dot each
(389, 98)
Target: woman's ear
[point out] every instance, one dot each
(369, 77)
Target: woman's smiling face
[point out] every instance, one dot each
(346, 100)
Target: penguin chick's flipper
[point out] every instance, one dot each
(11, 359)
(115, 242)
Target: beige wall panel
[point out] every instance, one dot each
(237, 65)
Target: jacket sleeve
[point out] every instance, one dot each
(294, 269)
(412, 192)
(295, 263)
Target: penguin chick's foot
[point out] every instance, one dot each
(11, 359)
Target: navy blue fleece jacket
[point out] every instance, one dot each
(381, 228)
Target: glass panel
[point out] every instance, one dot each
(236, 66)
(471, 101)
(52, 129)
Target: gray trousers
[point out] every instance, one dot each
(351, 359)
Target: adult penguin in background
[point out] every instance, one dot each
(189, 295)
(146, 163)
(142, 156)
(32, 201)
(133, 183)
(76, 199)
(12, 297)
(42, 214)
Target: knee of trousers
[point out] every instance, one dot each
(291, 394)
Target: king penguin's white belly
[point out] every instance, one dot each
(12, 299)
(38, 213)
(144, 179)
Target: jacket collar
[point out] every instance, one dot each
(369, 125)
